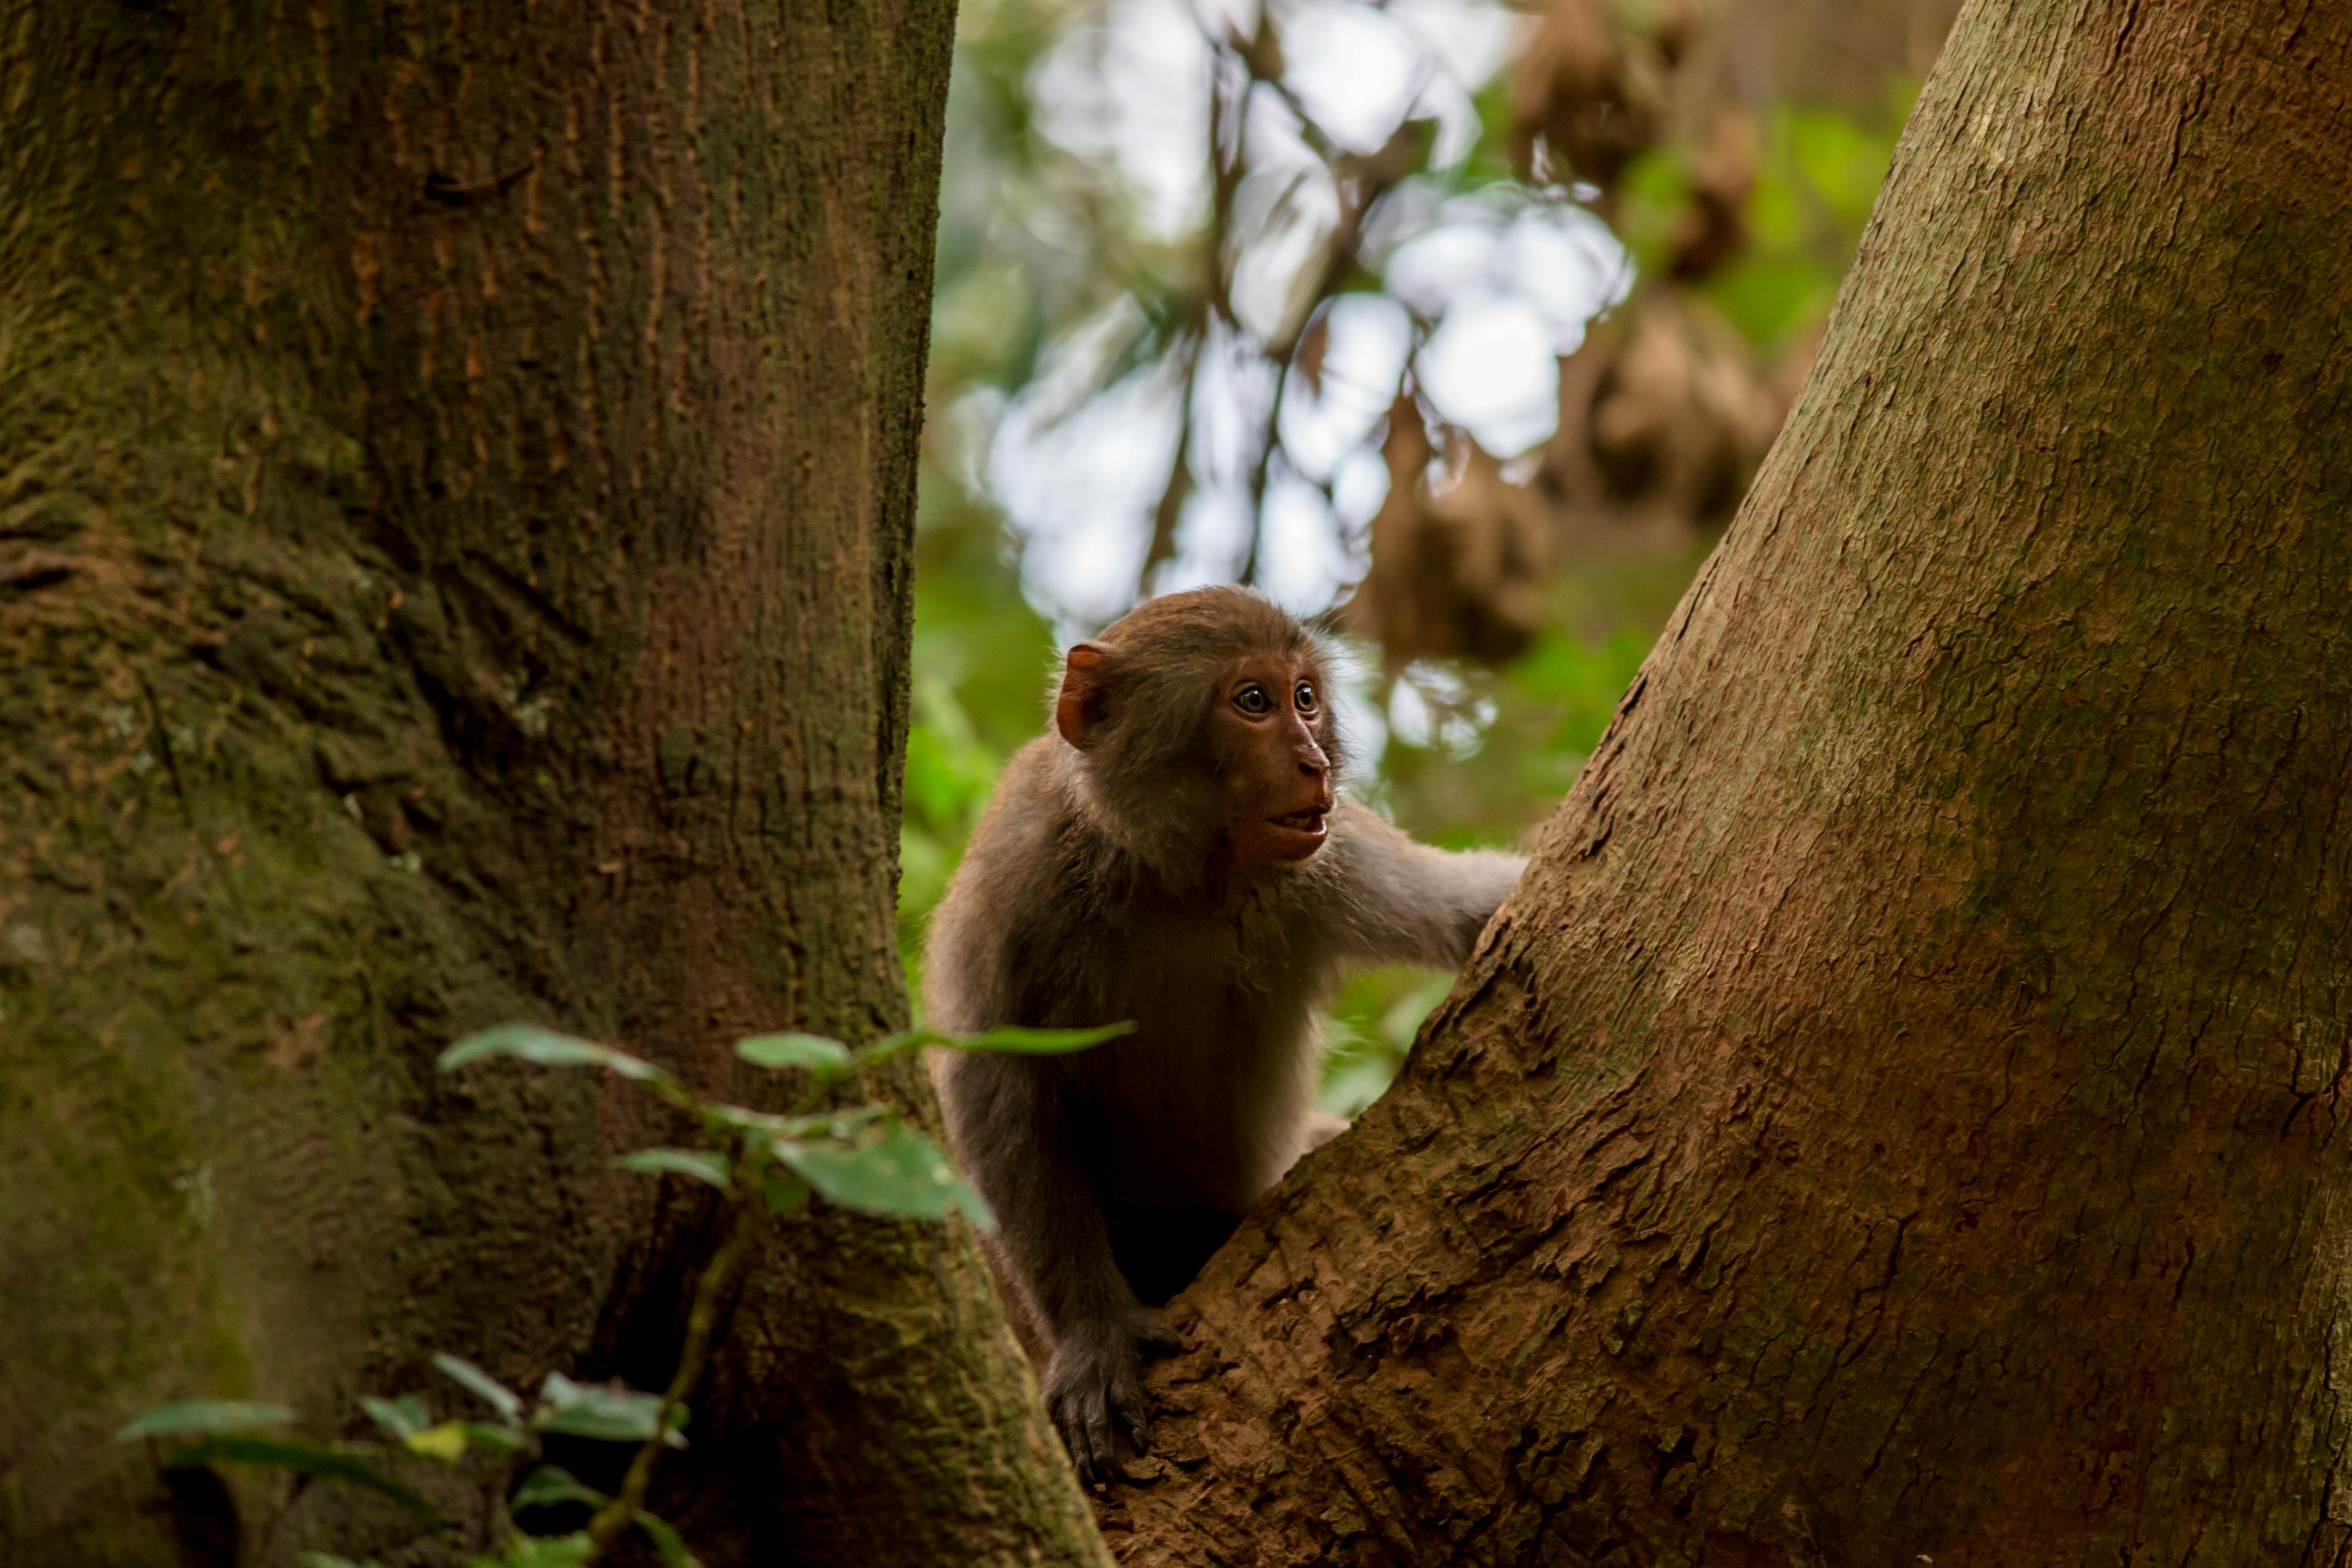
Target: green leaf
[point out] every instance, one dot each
(496, 1440)
(526, 1042)
(318, 1460)
(551, 1484)
(785, 1194)
(197, 1418)
(892, 1044)
(607, 1413)
(839, 1125)
(702, 1164)
(901, 1174)
(328, 1560)
(825, 1057)
(488, 1389)
(735, 1118)
(445, 1442)
(1016, 1040)
(667, 1542)
(402, 1418)
(547, 1551)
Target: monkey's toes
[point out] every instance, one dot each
(1154, 1337)
(1135, 1422)
(1085, 1433)
(1084, 1416)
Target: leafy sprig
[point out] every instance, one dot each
(862, 1158)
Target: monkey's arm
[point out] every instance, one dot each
(1012, 1121)
(1403, 902)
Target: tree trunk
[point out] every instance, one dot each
(456, 469)
(1895, 1119)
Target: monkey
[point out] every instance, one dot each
(1173, 851)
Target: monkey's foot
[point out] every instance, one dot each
(1094, 1389)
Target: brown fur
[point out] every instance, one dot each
(1093, 892)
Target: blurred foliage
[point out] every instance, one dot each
(1041, 245)
(1818, 175)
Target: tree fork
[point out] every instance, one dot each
(1898, 1116)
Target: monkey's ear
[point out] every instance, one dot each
(1085, 701)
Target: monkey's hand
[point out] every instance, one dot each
(1095, 1382)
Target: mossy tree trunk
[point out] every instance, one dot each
(1901, 1115)
(456, 467)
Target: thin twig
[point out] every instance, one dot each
(1228, 126)
(1172, 496)
(1359, 182)
(1358, 179)
(614, 1519)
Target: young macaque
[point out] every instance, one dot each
(1173, 853)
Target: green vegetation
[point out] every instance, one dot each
(761, 1165)
(1817, 174)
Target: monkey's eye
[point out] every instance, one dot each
(1305, 696)
(1253, 701)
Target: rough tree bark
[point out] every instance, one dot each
(456, 468)
(1900, 1115)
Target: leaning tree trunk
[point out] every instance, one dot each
(1897, 1118)
(455, 478)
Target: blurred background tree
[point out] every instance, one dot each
(1465, 322)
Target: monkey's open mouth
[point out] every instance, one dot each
(1310, 821)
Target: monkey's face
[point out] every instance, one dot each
(1268, 733)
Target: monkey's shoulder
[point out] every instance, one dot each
(1037, 896)
(1035, 843)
